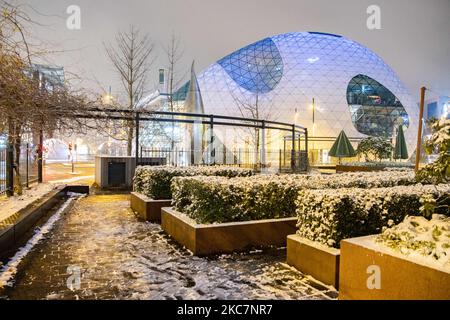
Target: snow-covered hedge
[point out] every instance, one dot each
(215, 199)
(154, 181)
(328, 216)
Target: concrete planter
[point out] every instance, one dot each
(315, 259)
(147, 208)
(399, 277)
(205, 239)
(341, 168)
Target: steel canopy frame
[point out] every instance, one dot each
(207, 119)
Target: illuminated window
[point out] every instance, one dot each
(374, 109)
(161, 76)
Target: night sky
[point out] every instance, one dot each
(414, 39)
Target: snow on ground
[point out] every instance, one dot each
(8, 271)
(422, 240)
(10, 206)
(74, 179)
(120, 257)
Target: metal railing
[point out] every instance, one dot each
(27, 168)
(277, 160)
(211, 120)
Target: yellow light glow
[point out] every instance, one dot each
(107, 99)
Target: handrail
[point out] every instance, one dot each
(190, 114)
(211, 119)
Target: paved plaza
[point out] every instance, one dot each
(120, 257)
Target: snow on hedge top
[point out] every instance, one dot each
(329, 216)
(154, 181)
(333, 181)
(213, 198)
(426, 241)
(195, 170)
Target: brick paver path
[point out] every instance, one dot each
(123, 258)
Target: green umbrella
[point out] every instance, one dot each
(342, 148)
(400, 150)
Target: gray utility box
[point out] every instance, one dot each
(118, 172)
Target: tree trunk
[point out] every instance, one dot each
(130, 136)
(17, 147)
(10, 160)
(257, 159)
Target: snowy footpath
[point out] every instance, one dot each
(99, 250)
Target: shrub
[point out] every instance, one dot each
(378, 147)
(439, 170)
(154, 181)
(216, 199)
(209, 199)
(329, 216)
(439, 144)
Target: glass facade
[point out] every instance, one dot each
(257, 68)
(181, 93)
(353, 88)
(374, 109)
(433, 111)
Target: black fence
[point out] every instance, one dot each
(28, 166)
(298, 141)
(25, 171)
(279, 160)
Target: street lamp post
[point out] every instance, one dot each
(419, 132)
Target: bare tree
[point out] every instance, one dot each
(132, 58)
(253, 107)
(12, 30)
(26, 102)
(174, 55)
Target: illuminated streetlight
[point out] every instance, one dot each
(108, 98)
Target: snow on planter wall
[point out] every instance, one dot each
(216, 199)
(329, 216)
(154, 181)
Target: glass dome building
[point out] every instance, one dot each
(278, 78)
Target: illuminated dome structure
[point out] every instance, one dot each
(352, 87)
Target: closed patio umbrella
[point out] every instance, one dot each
(342, 148)
(400, 150)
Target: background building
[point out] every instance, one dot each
(324, 82)
(437, 108)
